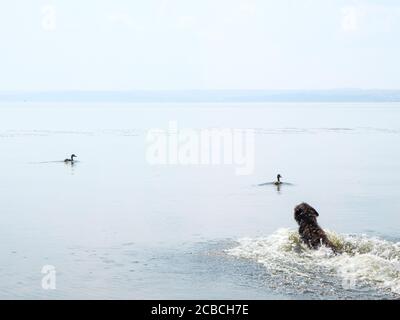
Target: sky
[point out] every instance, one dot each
(199, 44)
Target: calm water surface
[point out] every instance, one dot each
(115, 226)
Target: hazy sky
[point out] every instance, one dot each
(199, 44)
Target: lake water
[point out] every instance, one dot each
(115, 226)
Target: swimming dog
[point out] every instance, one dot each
(310, 232)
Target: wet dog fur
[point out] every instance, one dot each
(310, 232)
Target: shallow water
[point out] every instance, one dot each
(115, 226)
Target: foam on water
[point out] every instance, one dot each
(367, 264)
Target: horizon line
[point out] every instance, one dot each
(204, 95)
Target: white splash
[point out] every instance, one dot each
(365, 261)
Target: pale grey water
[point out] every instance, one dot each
(116, 227)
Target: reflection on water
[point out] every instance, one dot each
(71, 166)
(277, 186)
(114, 226)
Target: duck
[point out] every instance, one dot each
(71, 160)
(278, 182)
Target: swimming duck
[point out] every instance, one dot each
(278, 182)
(70, 160)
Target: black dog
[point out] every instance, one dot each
(310, 232)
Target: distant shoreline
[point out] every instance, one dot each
(204, 96)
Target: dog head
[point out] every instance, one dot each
(305, 213)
